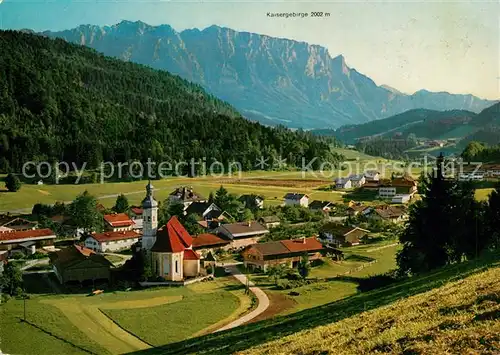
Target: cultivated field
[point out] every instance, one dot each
(119, 322)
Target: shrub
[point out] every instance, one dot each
(376, 281)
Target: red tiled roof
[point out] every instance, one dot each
(118, 220)
(108, 236)
(167, 241)
(136, 210)
(186, 238)
(207, 239)
(172, 238)
(27, 234)
(83, 250)
(191, 255)
(306, 244)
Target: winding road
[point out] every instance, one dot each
(263, 300)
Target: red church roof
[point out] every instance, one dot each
(172, 238)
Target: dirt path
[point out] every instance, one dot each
(261, 297)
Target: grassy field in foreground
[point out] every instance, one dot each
(460, 317)
(305, 322)
(71, 324)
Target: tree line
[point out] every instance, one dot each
(63, 102)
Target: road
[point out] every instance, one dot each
(261, 297)
(31, 263)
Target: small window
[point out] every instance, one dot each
(177, 266)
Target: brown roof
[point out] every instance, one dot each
(11, 236)
(16, 223)
(246, 228)
(75, 253)
(303, 244)
(318, 205)
(288, 246)
(405, 181)
(389, 211)
(207, 239)
(109, 236)
(118, 220)
(186, 194)
(172, 238)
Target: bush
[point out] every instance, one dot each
(377, 281)
(36, 255)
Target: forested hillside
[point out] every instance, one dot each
(60, 101)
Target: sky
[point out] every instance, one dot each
(445, 45)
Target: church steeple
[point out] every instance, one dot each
(150, 218)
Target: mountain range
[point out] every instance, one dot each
(270, 80)
(462, 125)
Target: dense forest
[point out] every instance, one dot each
(63, 102)
(390, 148)
(480, 152)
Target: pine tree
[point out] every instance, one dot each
(121, 204)
(492, 218)
(12, 183)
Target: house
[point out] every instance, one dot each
(392, 214)
(284, 252)
(206, 210)
(252, 200)
(405, 185)
(26, 241)
(118, 222)
(215, 222)
(135, 214)
(186, 196)
(172, 253)
(16, 223)
(340, 235)
(401, 198)
(372, 175)
(270, 221)
(343, 183)
(111, 241)
(292, 199)
(242, 234)
(325, 206)
(78, 263)
(357, 180)
(207, 242)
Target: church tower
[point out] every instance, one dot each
(150, 219)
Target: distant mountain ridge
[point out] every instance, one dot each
(271, 80)
(460, 124)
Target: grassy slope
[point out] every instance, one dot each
(460, 317)
(72, 319)
(252, 335)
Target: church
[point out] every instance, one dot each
(168, 249)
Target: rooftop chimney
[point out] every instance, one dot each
(303, 240)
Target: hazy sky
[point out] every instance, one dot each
(449, 46)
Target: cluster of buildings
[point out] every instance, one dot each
(473, 173)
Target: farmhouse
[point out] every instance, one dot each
(26, 241)
(402, 185)
(186, 196)
(243, 233)
(339, 235)
(118, 222)
(285, 252)
(252, 200)
(296, 199)
(270, 221)
(357, 180)
(77, 263)
(111, 241)
(207, 242)
(325, 206)
(13, 223)
(389, 214)
(343, 183)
